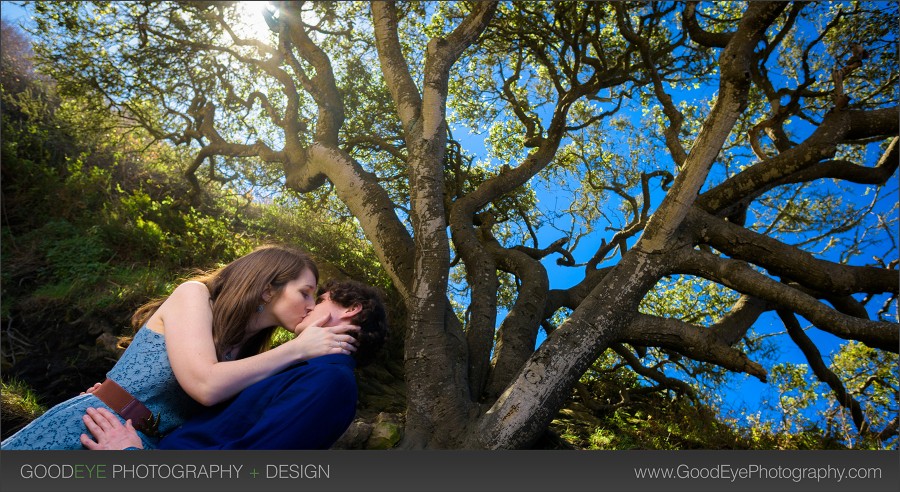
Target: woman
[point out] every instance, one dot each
(201, 345)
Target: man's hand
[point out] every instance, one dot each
(91, 389)
(108, 431)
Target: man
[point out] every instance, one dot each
(307, 406)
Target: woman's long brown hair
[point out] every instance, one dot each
(236, 290)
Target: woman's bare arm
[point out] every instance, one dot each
(187, 318)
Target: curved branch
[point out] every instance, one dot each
(773, 125)
(837, 127)
(575, 295)
(481, 271)
(676, 118)
(849, 171)
(218, 146)
(619, 239)
(372, 206)
(271, 66)
(653, 374)
(465, 33)
(323, 87)
(787, 261)
(698, 34)
(739, 276)
(393, 65)
(555, 247)
(533, 132)
(889, 430)
(822, 372)
(529, 403)
(266, 104)
(691, 341)
(517, 334)
(734, 325)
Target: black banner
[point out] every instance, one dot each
(471, 471)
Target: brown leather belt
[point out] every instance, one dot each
(127, 406)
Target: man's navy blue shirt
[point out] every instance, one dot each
(306, 406)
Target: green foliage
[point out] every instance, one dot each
(763, 433)
(869, 377)
(655, 421)
(20, 405)
(689, 299)
(79, 257)
(98, 219)
(795, 396)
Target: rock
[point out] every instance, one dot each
(355, 436)
(387, 431)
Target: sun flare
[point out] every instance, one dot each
(250, 19)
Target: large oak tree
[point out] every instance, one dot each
(699, 145)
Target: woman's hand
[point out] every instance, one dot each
(318, 339)
(109, 433)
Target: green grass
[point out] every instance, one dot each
(18, 399)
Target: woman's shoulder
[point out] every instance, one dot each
(192, 287)
(189, 297)
(190, 291)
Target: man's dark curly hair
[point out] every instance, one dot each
(372, 318)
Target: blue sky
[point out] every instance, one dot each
(11, 11)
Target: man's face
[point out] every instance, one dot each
(324, 306)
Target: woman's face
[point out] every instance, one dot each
(296, 299)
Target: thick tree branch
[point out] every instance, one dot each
(465, 34)
(849, 171)
(323, 87)
(889, 430)
(685, 338)
(734, 325)
(572, 297)
(431, 348)
(517, 334)
(440, 55)
(544, 383)
(837, 127)
(555, 247)
(204, 125)
(733, 90)
(691, 341)
(397, 77)
(371, 205)
(474, 254)
(481, 323)
(790, 262)
(739, 276)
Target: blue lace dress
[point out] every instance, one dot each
(144, 371)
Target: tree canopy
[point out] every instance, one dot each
(690, 169)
